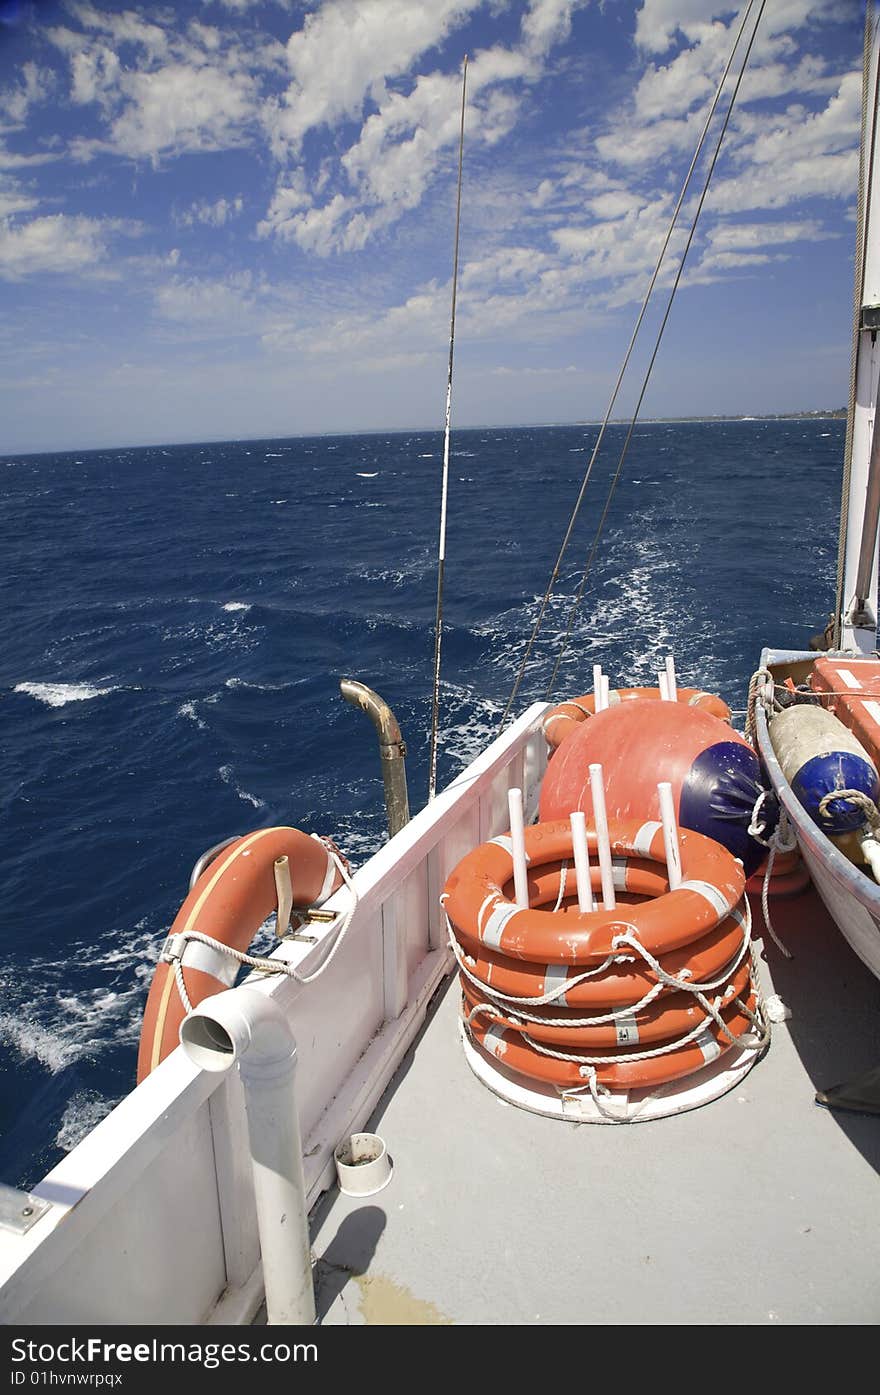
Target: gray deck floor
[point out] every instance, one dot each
(759, 1208)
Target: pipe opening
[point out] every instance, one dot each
(206, 1043)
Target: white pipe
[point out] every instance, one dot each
(597, 688)
(663, 685)
(586, 899)
(518, 848)
(670, 834)
(671, 683)
(600, 817)
(242, 1026)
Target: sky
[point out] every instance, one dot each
(223, 219)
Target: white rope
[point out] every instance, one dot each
(783, 840)
(271, 966)
(517, 1007)
(664, 1049)
(563, 877)
(761, 676)
(858, 798)
(757, 830)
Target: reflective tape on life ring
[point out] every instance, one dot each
(624, 982)
(673, 1015)
(513, 1051)
(712, 885)
(568, 715)
(233, 896)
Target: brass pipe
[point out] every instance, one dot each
(392, 749)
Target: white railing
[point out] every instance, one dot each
(152, 1215)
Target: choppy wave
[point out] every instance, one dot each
(59, 694)
(184, 597)
(227, 776)
(85, 1109)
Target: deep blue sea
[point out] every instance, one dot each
(176, 621)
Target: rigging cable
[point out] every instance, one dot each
(554, 576)
(441, 557)
(678, 275)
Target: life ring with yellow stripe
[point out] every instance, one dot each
(229, 902)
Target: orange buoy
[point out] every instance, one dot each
(567, 716)
(229, 902)
(789, 876)
(715, 774)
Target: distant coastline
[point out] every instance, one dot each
(821, 415)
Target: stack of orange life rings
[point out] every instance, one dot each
(628, 999)
(568, 715)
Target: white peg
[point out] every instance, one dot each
(598, 687)
(671, 683)
(518, 846)
(600, 818)
(663, 685)
(670, 835)
(586, 899)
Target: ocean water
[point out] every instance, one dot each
(176, 621)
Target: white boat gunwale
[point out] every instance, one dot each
(129, 1186)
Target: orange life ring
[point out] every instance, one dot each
(622, 983)
(674, 1015)
(511, 1049)
(567, 716)
(480, 912)
(231, 899)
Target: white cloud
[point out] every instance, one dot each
(403, 143)
(214, 215)
(14, 200)
(661, 21)
(726, 236)
(58, 243)
(230, 302)
(343, 55)
(163, 91)
(35, 85)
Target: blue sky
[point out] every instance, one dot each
(222, 219)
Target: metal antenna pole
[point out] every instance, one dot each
(441, 558)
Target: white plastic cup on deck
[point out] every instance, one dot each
(363, 1166)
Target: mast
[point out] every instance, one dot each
(856, 605)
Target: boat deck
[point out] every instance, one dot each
(758, 1208)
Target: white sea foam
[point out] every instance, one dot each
(366, 475)
(59, 694)
(84, 1110)
(255, 687)
(33, 1041)
(237, 605)
(226, 775)
(41, 1024)
(188, 709)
